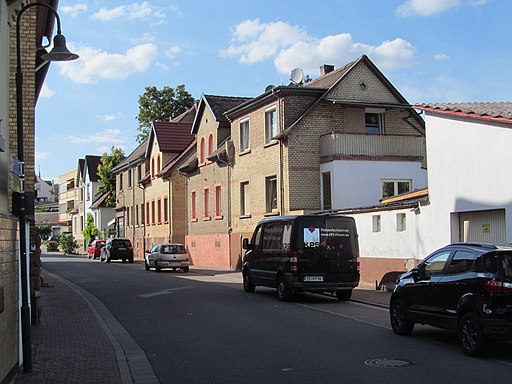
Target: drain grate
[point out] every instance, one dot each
(387, 363)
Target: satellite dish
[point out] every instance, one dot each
(269, 87)
(297, 76)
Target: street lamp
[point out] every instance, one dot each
(21, 202)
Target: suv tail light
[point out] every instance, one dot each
(498, 287)
(294, 262)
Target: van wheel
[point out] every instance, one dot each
(186, 269)
(344, 295)
(471, 337)
(284, 293)
(398, 317)
(248, 285)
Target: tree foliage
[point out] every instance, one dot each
(90, 231)
(68, 243)
(45, 230)
(161, 105)
(107, 177)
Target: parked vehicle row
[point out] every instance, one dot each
(167, 255)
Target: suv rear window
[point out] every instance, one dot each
(332, 234)
(499, 263)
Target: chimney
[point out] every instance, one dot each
(325, 69)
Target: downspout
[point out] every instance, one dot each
(143, 218)
(169, 216)
(229, 229)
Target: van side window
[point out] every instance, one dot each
(256, 239)
(276, 236)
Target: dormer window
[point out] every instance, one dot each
(374, 121)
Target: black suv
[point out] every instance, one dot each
(463, 287)
(117, 249)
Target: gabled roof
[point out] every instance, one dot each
(329, 79)
(91, 166)
(167, 169)
(137, 156)
(80, 170)
(493, 111)
(100, 201)
(218, 105)
(171, 137)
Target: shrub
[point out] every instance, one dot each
(67, 243)
(52, 246)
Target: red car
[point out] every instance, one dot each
(95, 248)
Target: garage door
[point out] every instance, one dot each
(483, 226)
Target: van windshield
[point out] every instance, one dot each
(332, 234)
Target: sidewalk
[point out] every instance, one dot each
(72, 343)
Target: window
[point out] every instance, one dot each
(159, 210)
(462, 261)
(206, 203)
(158, 164)
(218, 201)
(376, 223)
(139, 173)
(202, 151)
(137, 216)
(270, 124)
(127, 216)
(152, 168)
(244, 136)
(400, 222)
(395, 187)
(245, 207)
(326, 191)
(374, 121)
(129, 178)
(148, 221)
(435, 264)
(193, 206)
(271, 194)
(120, 181)
(153, 216)
(166, 210)
(210, 144)
(88, 191)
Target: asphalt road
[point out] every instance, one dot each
(196, 328)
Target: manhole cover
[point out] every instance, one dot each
(387, 363)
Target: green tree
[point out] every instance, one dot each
(161, 105)
(107, 177)
(67, 243)
(45, 230)
(90, 231)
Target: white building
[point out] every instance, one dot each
(469, 197)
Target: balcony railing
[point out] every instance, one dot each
(339, 145)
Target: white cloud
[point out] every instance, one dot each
(41, 155)
(172, 52)
(132, 11)
(46, 92)
(254, 41)
(111, 136)
(441, 56)
(96, 64)
(73, 10)
(111, 117)
(426, 7)
(292, 47)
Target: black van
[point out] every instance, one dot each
(312, 253)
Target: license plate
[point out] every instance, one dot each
(121, 249)
(175, 263)
(313, 278)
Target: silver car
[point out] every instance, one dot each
(167, 255)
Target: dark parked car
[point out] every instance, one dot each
(94, 249)
(117, 249)
(462, 287)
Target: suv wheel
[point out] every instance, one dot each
(398, 317)
(248, 285)
(284, 293)
(157, 268)
(471, 338)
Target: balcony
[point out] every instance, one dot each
(336, 146)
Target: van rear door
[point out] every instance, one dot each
(328, 250)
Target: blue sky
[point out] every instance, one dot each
(431, 50)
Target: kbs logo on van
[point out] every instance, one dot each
(317, 237)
